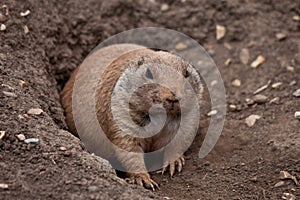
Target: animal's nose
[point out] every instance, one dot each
(172, 100)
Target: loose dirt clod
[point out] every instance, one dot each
(10, 94)
(245, 56)
(250, 121)
(260, 99)
(290, 68)
(2, 17)
(258, 61)
(93, 188)
(283, 175)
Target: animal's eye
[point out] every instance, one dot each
(186, 74)
(149, 74)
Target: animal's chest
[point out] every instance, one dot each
(162, 138)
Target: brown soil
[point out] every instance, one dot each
(246, 162)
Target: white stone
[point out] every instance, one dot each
(250, 121)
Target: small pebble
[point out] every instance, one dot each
(281, 36)
(286, 175)
(262, 88)
(2, 27)
(25, 13)
(31, 140)
(296, 18)
(227, 46)
(35, 111)
(3, 186)
(10, 94)
(93, 189)
(279, 184)
(211, 52)
(260, 99)
(214, 82)
(275, 100)
(288, 196)
(220, 32)
(164, 7)
(228, 62)
(211, 113)
(2, 17)
(5, 7)
(250, 121)
(232, 107)
(249, 101)
(276, 85)
(2, 134)
(236, 83)
(22, 83)
(297, 115)
(290, 68)
(26, 29)
(245, 56)
(258, 61)
(62, 148)
(180, 46)
(239, 107)
(21, 117)
(21, 137)
(292, 83)
(297, 93)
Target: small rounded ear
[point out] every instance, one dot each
(149, 74)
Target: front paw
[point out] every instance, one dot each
(142, 179)
(177, 164)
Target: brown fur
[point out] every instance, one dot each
(140, 102)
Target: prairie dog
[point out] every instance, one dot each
(125, 106)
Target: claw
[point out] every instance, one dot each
(144, 180)
(177, 164)
(163, 170)
(172, 169)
